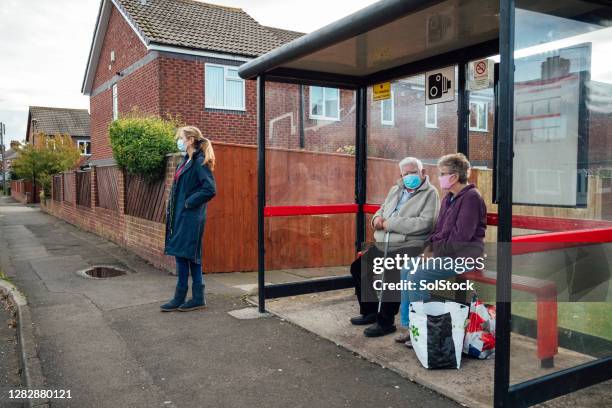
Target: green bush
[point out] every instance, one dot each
(140, 144)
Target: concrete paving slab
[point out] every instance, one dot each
(249, 278)
(319, 272)
(327, 314)
(247, 313)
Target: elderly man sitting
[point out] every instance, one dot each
(405, 220)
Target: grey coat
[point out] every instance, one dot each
(416, 219)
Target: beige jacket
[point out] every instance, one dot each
(415, 220)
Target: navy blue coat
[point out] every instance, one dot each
(186, 211)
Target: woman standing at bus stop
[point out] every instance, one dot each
(193, 187)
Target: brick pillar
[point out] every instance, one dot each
(94, 188)
(74, 188)
(121, 192)
(172, 160)
(61, 188)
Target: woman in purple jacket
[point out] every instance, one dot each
(457, 237)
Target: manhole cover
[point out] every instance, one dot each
(102, 272)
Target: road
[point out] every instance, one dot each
(106, 341)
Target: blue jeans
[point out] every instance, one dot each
(417, 294)
(183, 266)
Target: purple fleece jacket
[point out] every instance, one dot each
(461, 225)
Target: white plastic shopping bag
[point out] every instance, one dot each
(436, 333)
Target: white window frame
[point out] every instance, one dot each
(225, 79)
(382, 116)
(82, 141)
(324, 115)
(486, 121)
(115, 102)
(430, 125)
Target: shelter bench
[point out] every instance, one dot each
(546, 311)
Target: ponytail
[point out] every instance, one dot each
(199, 143)
(209, 153)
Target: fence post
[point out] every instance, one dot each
(93, 187)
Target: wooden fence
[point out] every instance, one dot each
(145, 199)
(107, 187)
(57, 188)
(83, 188)
(68, 187)
(293, 178)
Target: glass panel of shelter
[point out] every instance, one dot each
(426, 132)
(310, 161)
(561, 185)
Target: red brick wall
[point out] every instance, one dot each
(23, 191)
(138, 90)
(123, 40)
(600, 140)
(182, 94)
(407, 137)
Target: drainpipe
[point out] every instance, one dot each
(301, 113)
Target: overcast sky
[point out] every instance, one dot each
(44, 46)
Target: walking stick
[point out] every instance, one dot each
(382, 289)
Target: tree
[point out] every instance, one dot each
(47, 156)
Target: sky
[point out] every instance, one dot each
(44, 45)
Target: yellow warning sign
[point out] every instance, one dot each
(382, 91)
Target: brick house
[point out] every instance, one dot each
(156, 56)
(55, 121)
(142, 60)
(9, 155)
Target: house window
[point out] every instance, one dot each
(84, 146)
(115, 103)
(431, 116)
(479, 113)
(324, 103)
(387, 108)
(223, 88)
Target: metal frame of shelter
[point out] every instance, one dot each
(269, 67)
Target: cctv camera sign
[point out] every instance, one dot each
(440, 85)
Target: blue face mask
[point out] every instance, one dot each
(412, 181)
(181, 145)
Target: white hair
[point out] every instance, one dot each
(411, 160)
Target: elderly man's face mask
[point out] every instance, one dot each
(411, 177)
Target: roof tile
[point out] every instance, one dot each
(197, 25)
(53, 121)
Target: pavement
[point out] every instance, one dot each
(106, 341)
(9, 357)
(325, 314)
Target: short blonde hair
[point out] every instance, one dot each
(458, 164)
(200, 142)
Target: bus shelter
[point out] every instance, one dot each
(522, 88)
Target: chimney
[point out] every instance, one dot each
(555, 67)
